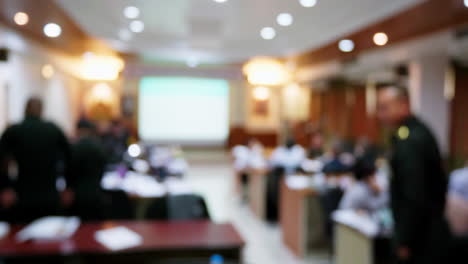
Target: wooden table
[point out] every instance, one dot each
(354, 247)
(161, 241)
(257, 193)
(301, 219)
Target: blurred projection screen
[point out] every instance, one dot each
(187, 111)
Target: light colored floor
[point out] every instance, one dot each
(211, 176)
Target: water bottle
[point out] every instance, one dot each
(216, 259)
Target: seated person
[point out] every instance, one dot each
(248, 159)
(335, 174)
(457, 202)
(288, 157)
(365, 194)
(87, 168)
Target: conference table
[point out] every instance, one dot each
(162, 241)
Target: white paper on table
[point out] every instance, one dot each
(362, 223)
(178, 187)
(49, 228)
(143, 185)
(4, 229)
(298, 182)
(118, 238)
(111, 181)
(312, 166)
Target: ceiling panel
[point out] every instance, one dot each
(228, 32)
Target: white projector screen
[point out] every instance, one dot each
(187, 111)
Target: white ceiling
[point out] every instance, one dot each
(177, 30)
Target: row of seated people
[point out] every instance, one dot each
(35, 154)
(331, 168)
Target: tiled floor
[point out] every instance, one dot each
(211, 176)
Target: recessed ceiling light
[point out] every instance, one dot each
(220, 1)
(308, 3)
(52, 30)
(285, 19)
(380, 39)
(125, 34)
(346, 45)
(47, 71)
(137, 26)
(131, 12)
(268, 33)
(21, 18)
(192, 62)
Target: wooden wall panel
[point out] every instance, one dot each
(459, 121)
(240, 136)
(428, 17)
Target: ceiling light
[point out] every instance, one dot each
(346, 45)
(308, 3)
(21, 18)
(131, 12)
(47, 71)
(137, 26)
(380, 39)
(220, 1)
(125, 34)
(192, 62)
(261, 93)
(284, 19)
(268, 33)
(52, 30)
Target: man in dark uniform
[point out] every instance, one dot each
(86, 168)
(418, 185)
(41, 151)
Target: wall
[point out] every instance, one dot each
(21, 78)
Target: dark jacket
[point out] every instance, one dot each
(42, 153)
(418, 187)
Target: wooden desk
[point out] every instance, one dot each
(161, 241)
(354, 247)
(257, 193)
(301, 219)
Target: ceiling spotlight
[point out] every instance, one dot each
(346, 45)
(131, 12)
(268, 33)
(308, 3)
(52, 30)
(137, 26)
(21, 18)
(380, 39)
(284, 19)
(125, 34)
(192, 62)
(220, 1)
(47, 71)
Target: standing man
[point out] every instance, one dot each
(41, 153)
(87, 168)
(418, 184)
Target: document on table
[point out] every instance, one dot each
(361, 222)
(298, 182)
(49, 228)
(118, 238)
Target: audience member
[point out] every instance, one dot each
(87, 168)
(41, 152)
(365, 194)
